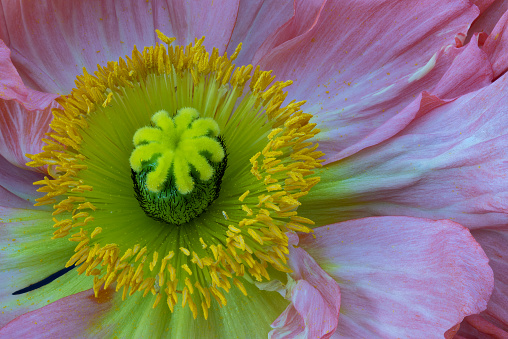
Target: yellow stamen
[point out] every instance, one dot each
(282, 170)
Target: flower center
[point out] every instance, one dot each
(97, 180)
(177, 165)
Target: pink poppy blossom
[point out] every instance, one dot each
(409, 216)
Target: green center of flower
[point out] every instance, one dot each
(177, 165)
(202, 102)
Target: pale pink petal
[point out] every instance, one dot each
(402, 277)
(469, 71)
(52, 41)
(22, 130)
(490, 17)
(446, 162)
(16, 186)
(255, 22)
(494, 243)
(483, 4)
(70, 317)
(13, 87)
(496, 46)
(480, 327)
(362, 62)
(306, 15)
(315, 298)
(196, 18)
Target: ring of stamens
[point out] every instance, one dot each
(245, 237)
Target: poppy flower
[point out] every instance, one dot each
(323, 192)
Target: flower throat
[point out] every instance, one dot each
(151, 130)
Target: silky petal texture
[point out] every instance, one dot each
(496, 46)
(22, 131)
(494, 243)
(306, 15)
(315, 298)
(412, 275)
(471, 70)
(58, 318)
(480, 327)
(362, 62)
(52, 41)
(107, 318)
(436, 159)
(18, 188)
(483, 4)
(490, 17)
(255, 22)
(26, 258)
(14, 88)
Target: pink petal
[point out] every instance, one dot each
(22, 130)
(469, 71)
(254, 24)
(315, 298)
(16, 186)
(362, 63)
(494, 243)
(13, 87)
(483, 4)
(480, 327)
(193, 19)
(438, 160)
(496, 46)
(402, 277)
(73, 316)
(490, 17)
(58, 39)
(306, 15)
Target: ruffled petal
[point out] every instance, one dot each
(436, 159)
(255, 22)
(490, 17)
(58, 39)
(494, 244)
(59, 318)
(483, 4)
(471, 70)
(242, 317)
(26, 258)
(17, 186)
(13, 87)
(496, 46)
(22, 131)
(402, 277)
(481, 327)
(361, 63)
(306, 15)
(315, 298)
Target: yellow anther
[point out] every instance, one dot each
(141, 253)
(283, 166)
(203, 244)
(247, 209)
(255, 236)
(154, 261)
(243, 196)
(96, 231)
(187, 269)
(234, 229)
